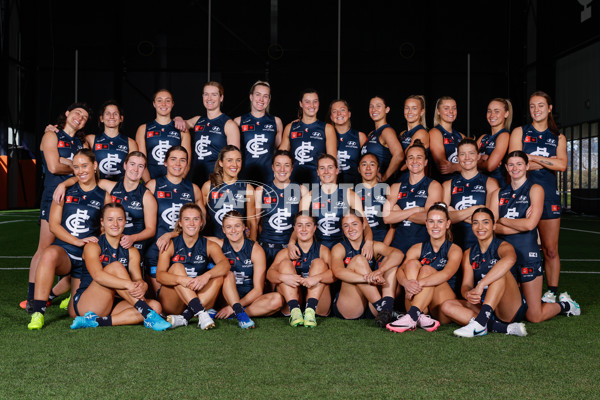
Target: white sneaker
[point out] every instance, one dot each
(205, 321)
(516, 329)
(472, 329)
(574, 308)
(176, 321)
(549, 297)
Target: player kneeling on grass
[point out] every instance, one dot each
(429, 274)
(184, 275)
(372, 281)
(244, 284)
(111, 273)
(310, 270)
(488, 286)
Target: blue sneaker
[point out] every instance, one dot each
(244, 321)
(155, 321)
(87, 321)
(212, 313)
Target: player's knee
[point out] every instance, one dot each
(317, 266)
(115, 268)
(359, 263)
(177, 269)
(425, 271)
(551, 252)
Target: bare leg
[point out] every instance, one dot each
(536, 310)
(549, 230)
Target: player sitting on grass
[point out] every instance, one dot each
(244, 284)
(488, 286)
(429, 274)
(364, 281)
(184, 275)
(111, 273)
(310, 270)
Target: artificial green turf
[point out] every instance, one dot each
(338, 359)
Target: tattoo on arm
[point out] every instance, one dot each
(545, 162)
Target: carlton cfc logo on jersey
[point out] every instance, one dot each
(402, 195)
(104, 258)
(296, 135)
(316, 206)
(198, 128)
(216, 195)
(475, 265)
(530, 139)
(347, 260)
(555, 207)
(503, 201)
(425, 261)
(178, 258)
(457, 190)
(246, 128)
(231, 261)
(270, 200)
(150, 134)
(163, 195)
(63, 144)
(100, 146)
(115, 199)
(448, 141)
(71, 199)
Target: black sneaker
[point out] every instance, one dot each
(383, 318)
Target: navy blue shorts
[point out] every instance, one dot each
(45, 204)
(527, 272)
(271, 250)
(243, 290)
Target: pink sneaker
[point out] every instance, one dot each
(402, 324)
(427, 323)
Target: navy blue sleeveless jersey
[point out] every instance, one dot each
(222, 199)
(405, 137)
(451, 141)
(307, 142)
(241, 265)
(465, 193)
(110, 155)
(348, 153)
(351, 252)
(373, 200)
(373, 145)
(437, 259)
(208, 140)
(194, 259)
(483, 262)
(329, 210)
(81, 216)
(543, 144)
(513, 204)
(108, 255)
(133, 203)
(67, 146)
(257, 145)
(409, 196)
(487, 146)
(159, 139)
(279, 208)
(170, 198)
(302, 264)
